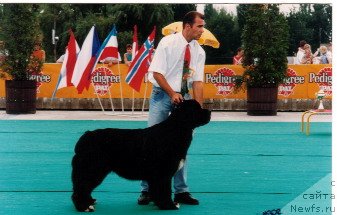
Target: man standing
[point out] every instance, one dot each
(177, 66)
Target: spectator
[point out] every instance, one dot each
(128, 55)
(300, 52)
(308, 56)
(237, 59)
(38, 52)
(111, 60)
(321, 55)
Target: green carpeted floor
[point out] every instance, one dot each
(234, 168)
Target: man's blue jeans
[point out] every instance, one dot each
(160, 108)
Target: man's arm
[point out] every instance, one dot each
(198, 91)
(176, 98)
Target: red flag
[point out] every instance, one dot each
(139, 66)
(68, 64)
(73, 50)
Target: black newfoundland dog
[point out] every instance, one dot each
(152, 154)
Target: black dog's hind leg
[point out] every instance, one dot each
(87, 174)
(160, 190)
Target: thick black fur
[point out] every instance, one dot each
(152, 154)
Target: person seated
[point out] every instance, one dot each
(111, 60)
(128, 55)
(308, 56)
(321, 55)
(237, 59)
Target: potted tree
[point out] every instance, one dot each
(19, 31)
(265, 41)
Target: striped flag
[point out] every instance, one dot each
(109, 48)
(135, 42)
(68, 63)
(85, 61)
(139, 66)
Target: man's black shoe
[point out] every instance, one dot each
(185, 198)
(144, 198)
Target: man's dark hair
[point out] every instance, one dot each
(128, 46)
(302, 43)
(190, 16)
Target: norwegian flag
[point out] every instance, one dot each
(139, 66)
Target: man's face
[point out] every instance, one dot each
(195, 31)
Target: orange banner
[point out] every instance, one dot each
(303, 82)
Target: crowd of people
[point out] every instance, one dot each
(304, 55)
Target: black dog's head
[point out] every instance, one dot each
(190, 113)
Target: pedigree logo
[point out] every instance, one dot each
(223, 80)
(103, 78)
(289, 83)
(40, 79)
(323, 79)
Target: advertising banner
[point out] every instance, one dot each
(303, 82)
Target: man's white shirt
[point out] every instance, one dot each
(169, 59)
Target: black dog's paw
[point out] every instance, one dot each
(168, 205)
(85, 205)
(91, 208)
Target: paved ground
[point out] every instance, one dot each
(108, 115)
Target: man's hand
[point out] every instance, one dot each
(176, 98)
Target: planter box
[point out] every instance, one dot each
(20, 97)
(262, 101)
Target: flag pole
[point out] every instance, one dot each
(54, 93)
(145, 91)
(133, 100)
(120, 86)
(111, 102)
(99, 100)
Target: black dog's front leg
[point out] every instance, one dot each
(160, 191)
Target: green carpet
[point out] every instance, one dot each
(234, 168)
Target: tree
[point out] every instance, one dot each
(19, 32)
(79, 17)
(223, 26)
(265, 41)
(241, 10)
(145, 16)
(321, 23)
(312, 23)
(181, 9)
